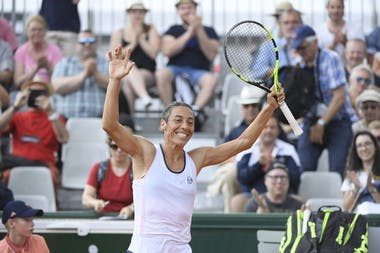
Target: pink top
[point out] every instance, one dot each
(7, 34)
(34, 244)
(52, 52)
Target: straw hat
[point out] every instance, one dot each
(282, 6)
(185, 2)
(137, 5)
(49, 88)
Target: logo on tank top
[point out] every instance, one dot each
(189, 180)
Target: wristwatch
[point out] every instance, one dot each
(321, 122)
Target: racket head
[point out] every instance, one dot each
(251, 53)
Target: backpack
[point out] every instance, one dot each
(103, 166)
(328, 230)
(299, 87)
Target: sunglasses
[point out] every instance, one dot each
(114, 146)
(89, 40)
(367, 81)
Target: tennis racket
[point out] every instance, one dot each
(252, 55)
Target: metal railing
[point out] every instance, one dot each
(104, 16)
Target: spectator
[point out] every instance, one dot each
(225, 180)
(355, 54)
(279, 9)
(368, 103)
(80, 81)
(6, 64)
(376, 68)
(361, 78)
(253, 164)
(63, 20)
(191, 47)
(327, 124)
(363, 167)
(334, 33)
(277, 198)
(7, 34)
(36, 132)
(144, 40)
(374, 128)
(373, 43)
(17, 218)
(35, 59)
(288, 20)
(109, 185)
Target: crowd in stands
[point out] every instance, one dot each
(58, 74)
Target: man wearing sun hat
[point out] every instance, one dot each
(328, 123)
(368, 103)
(191, 47)
(36, 132)
(18, 220)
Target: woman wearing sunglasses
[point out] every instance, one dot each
(109, 184)
(361, 78)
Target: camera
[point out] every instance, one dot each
(33, 95)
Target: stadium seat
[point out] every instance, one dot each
(33, 181)
(320, 184)
(234, 114)
(232, 86)
(85, 130)
(315, 203)
(269, 241)
(78, 158)
(35, 201)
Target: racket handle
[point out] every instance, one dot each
(290, 118)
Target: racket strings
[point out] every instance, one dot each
(250, 52)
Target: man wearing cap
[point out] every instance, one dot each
(277, 198)
(191, 48)
(327, 124)
(225, 181)
(279, 9)
(17, 217)
(36, 132)
(368, 103)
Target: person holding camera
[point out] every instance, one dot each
(36, 132)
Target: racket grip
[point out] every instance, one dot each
(290, 118)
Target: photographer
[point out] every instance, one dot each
(36, 132)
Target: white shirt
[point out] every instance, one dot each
(164, 202)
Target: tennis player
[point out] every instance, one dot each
(164, 184)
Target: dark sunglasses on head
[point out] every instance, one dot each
(89, 40)
(367, 81)
(114, 146)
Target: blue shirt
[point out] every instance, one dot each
(250, 172)
(61, 15)
(331, 75)
(191, 55)
(87, 101)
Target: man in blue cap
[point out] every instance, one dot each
(18, 220)
(328, 122)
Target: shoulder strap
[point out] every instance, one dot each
(103, 166)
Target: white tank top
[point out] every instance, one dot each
(164, 203)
